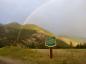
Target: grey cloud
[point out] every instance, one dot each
(63, 17)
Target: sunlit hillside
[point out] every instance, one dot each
(69, 41)
(37, 28)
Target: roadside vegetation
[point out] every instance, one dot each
(41, 56)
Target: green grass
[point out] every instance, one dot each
(17, 53)
(41, 56)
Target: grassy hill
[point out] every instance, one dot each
(28, 27)
(74, 40)
(37, 28)
(30, 36)
(69, 41)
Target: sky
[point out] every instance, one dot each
(61, 17)
(17, 10)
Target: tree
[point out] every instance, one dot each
(71, 44)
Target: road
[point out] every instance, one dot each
(9, 61)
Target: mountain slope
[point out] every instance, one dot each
(28, 35)
(37, 28)
(13, 25)
(73, 40)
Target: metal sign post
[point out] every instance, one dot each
(50, 42)
(51, 52)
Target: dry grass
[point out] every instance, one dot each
(41, 56)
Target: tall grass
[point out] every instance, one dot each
(41, 56)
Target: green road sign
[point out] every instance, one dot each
(50, 42)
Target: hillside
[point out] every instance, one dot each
(37, 28)
(74, 40)
(30, 36)
(69, 41)
(28, 27)
(27, 36)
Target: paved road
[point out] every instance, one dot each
(9, 61)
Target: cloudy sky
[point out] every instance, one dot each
(61, 17)
(17, 10)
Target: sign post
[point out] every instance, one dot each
(50, 42)
(51, 52)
